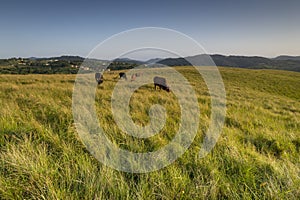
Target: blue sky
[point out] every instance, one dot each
(52, 28)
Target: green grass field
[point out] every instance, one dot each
(256, 157)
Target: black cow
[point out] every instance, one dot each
(123, 75)
(161, 83)
(99, 78)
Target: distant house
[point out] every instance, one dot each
(21, 63)
(85, 68)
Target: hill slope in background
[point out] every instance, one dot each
(70, 64)
(284, 57)
(256, 156)
(254, 62)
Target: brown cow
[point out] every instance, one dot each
(133, 77)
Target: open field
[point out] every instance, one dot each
(256, 156)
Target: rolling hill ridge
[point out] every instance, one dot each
(70, 64)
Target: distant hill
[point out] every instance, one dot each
(153, 60)
(128, 60)
(70, 64)
(60, 58)
(250, 62)
(284, 57)
(70, 58)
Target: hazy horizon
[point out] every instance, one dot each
(144, 59)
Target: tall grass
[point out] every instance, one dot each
(256, 157)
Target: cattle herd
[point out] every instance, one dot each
(159, 82)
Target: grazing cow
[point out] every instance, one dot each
(123, 75)
(99, 78)
(133, 77)
(161, 83)
(139, 74)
